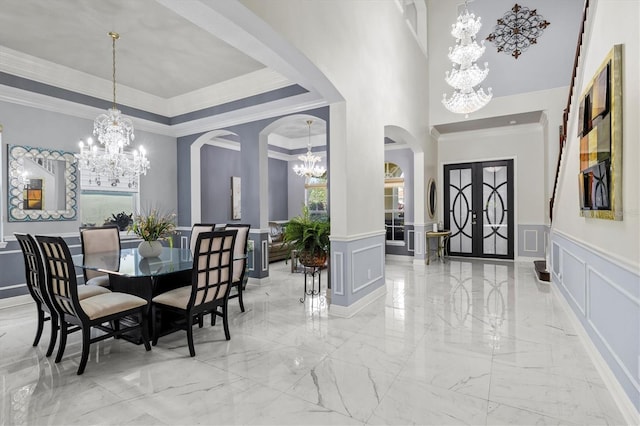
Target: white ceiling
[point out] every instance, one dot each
(162, 54)
(159, 52)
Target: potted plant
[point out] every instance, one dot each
(309, 237)
(152, 228)
(121, 219)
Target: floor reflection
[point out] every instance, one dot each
(466, 342)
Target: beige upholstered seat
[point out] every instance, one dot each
(209, 289)
(90, 312)
(99, 239)
(86, 291)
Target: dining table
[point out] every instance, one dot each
(131, 273)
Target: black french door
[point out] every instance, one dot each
(478, 200)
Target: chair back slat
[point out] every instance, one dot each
(213, 267)
(62, 284)
(98, 239)
(240, 250)
(34, 269)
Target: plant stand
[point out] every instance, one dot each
(311, 272)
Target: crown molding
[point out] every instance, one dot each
(285, 106)
(46, 72)
(244, 86)
(290, 105)
(504, 130)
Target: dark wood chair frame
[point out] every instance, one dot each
(217, 246)
(241, 283)
(63, 289)
(36, 284)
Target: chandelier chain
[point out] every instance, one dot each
(114, 36)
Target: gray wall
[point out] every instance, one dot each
(604, 296)
(248, 135)
(218, 165)
(278, 189)
(35, 127)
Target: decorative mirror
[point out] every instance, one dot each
(42, 184)
(431, 198)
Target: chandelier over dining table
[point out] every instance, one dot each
(111, 164)
(465, 74)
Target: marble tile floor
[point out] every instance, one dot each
(462, 342)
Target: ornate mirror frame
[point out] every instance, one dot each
(17, 154)
(432, 197)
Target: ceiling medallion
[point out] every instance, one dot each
(517, 30)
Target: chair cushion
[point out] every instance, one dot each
(85, 291)
(106, 304)
(101, 280)
(178, 298)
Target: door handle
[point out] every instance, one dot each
(474, 218)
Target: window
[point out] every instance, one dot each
(97, 207)
(316, 196)
(394, 203)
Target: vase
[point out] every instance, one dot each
(150, 248)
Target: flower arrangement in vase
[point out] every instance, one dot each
(152, 228)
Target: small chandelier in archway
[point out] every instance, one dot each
(308, 168)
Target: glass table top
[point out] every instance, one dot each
(128, 262)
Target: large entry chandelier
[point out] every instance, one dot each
(308, 168)
(112, 165)
(465, 74)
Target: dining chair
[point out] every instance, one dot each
(197, 228)
(36, 284)
(88, 313)
(99, 239)
(240, 278)
(208, 292)
(34, 272)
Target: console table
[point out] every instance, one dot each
(442, 238)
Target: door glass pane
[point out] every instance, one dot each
(495, 217)
(460, 202)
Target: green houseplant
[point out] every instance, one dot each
(309, 237)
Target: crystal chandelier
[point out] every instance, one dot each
(465, 74)
(112, 165)
(308, 167)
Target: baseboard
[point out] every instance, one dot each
(259, 281)
(354, 308)
(398, 257)
(620, 397)
(10, 302)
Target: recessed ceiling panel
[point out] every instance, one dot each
(159, 52)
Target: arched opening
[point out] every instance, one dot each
(219, 138)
